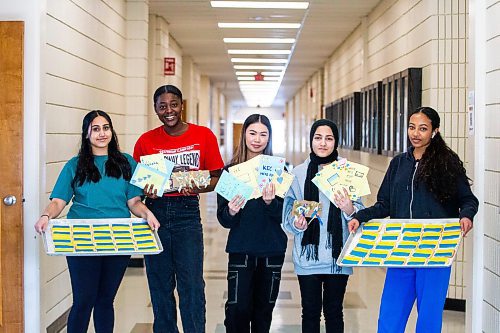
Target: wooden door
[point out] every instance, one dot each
(11, 175)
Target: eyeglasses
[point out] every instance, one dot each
(163, 107)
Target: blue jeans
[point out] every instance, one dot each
(402, 287)
(179, 265)
(253, 287)
(94, 282)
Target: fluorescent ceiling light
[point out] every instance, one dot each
(245, 73)
(261, 89)
(272, 73)
(260, 40)
(252, 78)
(260, 4)
(259, 25)
(255, 73)
(259, 52)
(253, 84)
(259, 67)
(259, 60)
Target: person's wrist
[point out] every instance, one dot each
(46, 215)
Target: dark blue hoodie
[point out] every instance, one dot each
(402, 196)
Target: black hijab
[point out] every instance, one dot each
(310, 239)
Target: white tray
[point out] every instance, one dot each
(53, 249)
(409, 261)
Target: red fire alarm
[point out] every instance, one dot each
(259, 77)
(168, 66)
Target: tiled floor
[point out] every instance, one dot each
(134, 314)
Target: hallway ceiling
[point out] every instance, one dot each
(325, 24)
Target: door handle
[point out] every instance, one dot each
(9, 200)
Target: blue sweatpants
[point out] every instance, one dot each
(402, 287)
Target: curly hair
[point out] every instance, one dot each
(117, 164)
(440, 167)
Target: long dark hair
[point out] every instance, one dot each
(440, 167)
(117, 164)
(241, 153)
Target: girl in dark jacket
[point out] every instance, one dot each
(427, 182)
(256, 242)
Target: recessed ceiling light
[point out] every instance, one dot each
(259, 52)
(258, 67)
(260, 40)
(260, 25)
(260, 4)
(259, 60)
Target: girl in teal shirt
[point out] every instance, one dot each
(97, 181)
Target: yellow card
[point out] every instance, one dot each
(283, 183)
(247, 173)
(341, 175)
(159, 162)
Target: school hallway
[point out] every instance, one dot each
(366, 65)
(134, 314)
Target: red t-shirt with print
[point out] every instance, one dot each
(196, 149)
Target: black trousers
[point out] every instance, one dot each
(253, 286)
(322, 292)
(94, 282)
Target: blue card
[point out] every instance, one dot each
(268, 168)
(229, 186)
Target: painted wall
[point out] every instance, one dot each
(488, 125)
(95, 57)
